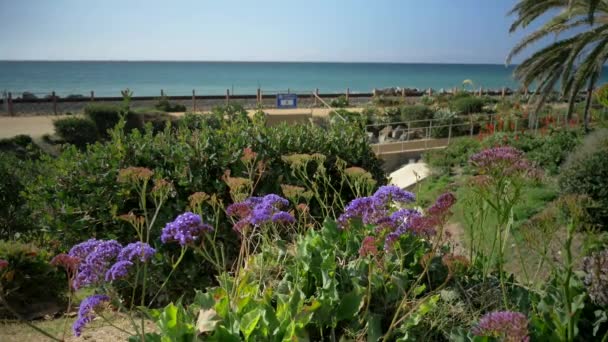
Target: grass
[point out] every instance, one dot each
(430, 188)
(519, 253)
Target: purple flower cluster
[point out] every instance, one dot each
(86, 312)
(392, 193)
(442, 204)
(401, 220)
(95, 256)
(375, 209)
(185, 229)
(136, 250)
(596, 277)
(257, 211)
(119, 270)
(133, 252)
(507, 325)
(504, 160)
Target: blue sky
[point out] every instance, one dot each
(430, 31)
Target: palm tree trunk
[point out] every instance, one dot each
(587, 106)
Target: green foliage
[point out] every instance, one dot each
(386, 101)
(76, 131)
(14, 214)
(548, 151)
(79, 197)
(601, 95)
(104, 116)
(343, 115)
(455, 155)
(164, 105)
(467, 105)
(586, 172)
(416, 112)
(31, 286)
(340, 102)
(22, 146)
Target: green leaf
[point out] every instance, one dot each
(148, 337)
(223, 335)
(249, 322)
(374, 328)
(350, 304)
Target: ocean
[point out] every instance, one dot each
(213, 78)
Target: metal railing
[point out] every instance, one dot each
(437, 133)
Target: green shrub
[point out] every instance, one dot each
(547, 151)
(139, 118)
(585, 172)
(347, 116)
(340, 102)
(80, 198)
(77, 131)
(198, 121)
(166, 106)
(416, 113)
(467, 105)
(104, 116)
(21, 146)
(427, 100)
(455, 155)
(34, 287)
(382, 101)
(14, 215)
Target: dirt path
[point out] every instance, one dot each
(34, 126)
(37, 126)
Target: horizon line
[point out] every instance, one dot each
(241, 61)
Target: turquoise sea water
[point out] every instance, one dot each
(213, 78)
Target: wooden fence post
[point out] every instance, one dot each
(288, 91)
(9, 101)
(480, 91)
(430, 92)
(193, 101)
(347, 94)
(403, 93)
(227, 95)
(162, 93)
(503, 92)
(374, 92)
(92, 96)
(54, 103)
(316, 95)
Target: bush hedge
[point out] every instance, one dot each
(455, 155)
(586, 172)
(34, 288)
(467, 105)
(76, 131)
(80, 197)
(547, 151)
(164, 105)
(416, 112)
(339, 102)
(104, 116)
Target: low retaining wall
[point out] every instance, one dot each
(48, 106)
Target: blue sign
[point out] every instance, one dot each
(287, 101)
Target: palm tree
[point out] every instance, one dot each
(574, 60)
